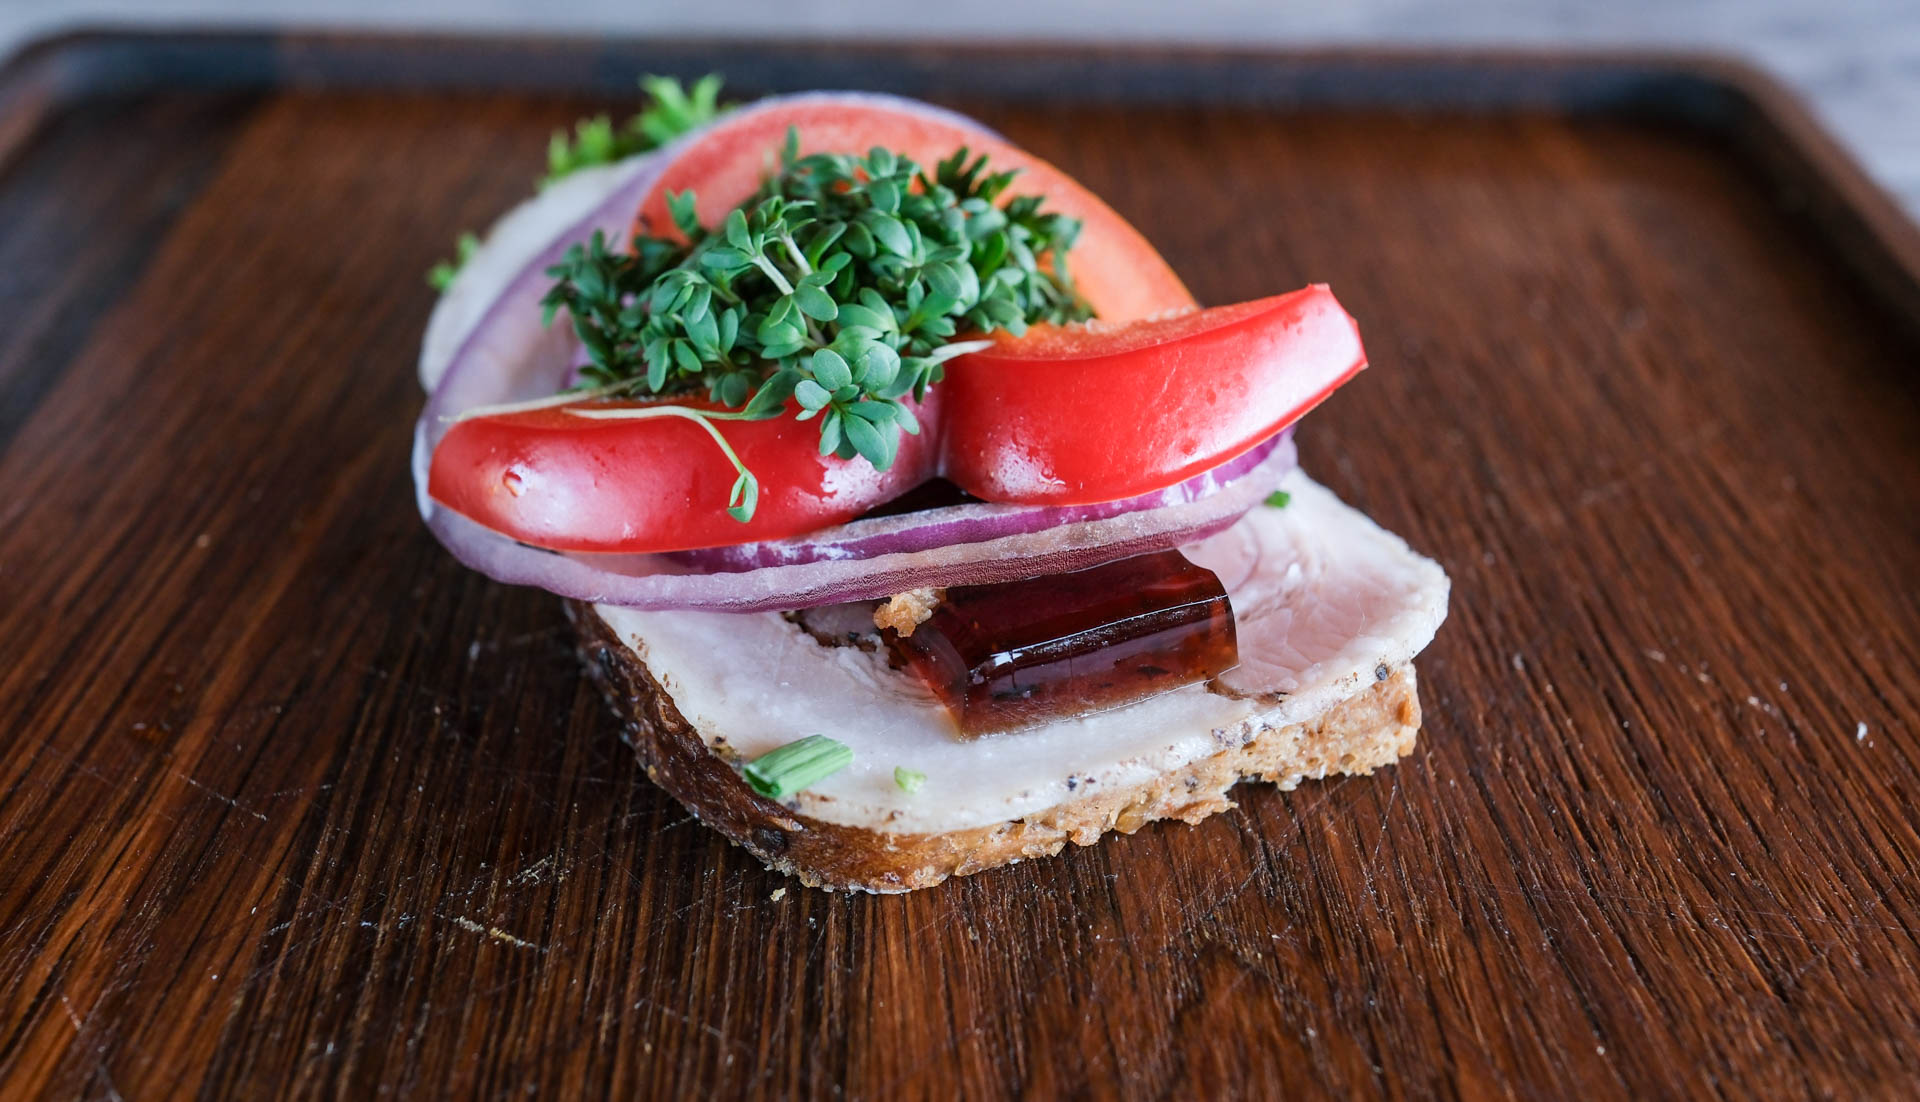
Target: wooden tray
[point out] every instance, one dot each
(291, 804)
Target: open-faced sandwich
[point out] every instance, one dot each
(910, 510)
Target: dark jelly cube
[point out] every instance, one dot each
(1022, 653)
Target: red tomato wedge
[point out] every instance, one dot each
(1077, 414)
(556, 480)
(1114, 268)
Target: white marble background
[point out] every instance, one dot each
(1856, 61)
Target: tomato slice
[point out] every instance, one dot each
(1115, 269)
(1077, 414)
(553, 479)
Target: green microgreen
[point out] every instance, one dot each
(781, 772)
(836, 291)
(440, 276)
(1279, 498)
(908, 780)
(669, 111)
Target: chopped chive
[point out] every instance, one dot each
(1279, 498)
(909, 780)
(781, 772)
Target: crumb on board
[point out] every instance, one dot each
(1860, 731)
(905, 611)
(778, 895)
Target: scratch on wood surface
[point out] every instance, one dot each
(680, 822)
(481, 646)
(298, 790)
(100, 1058)
(332, 831)
(1655, 654)
(1373, 859)
(67, 1005)
(535, 873)
(1717, 916)
(1859, 920)
(587, 847)
(494, 932)
(221, 796)
(1192, 917)
(411, 685)
(714, 1031)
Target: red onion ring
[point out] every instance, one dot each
(975, 522)
(656, 582)
(510, 356)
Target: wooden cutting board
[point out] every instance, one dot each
(291, 804)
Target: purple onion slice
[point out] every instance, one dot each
(974, 522)
(658, 582)
(508, 356)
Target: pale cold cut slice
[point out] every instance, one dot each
(1314, 606)
(1330, 611)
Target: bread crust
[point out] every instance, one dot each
(1374, 727)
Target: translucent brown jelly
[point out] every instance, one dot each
(1017, 654)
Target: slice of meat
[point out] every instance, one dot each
(1312, 605)
(1323, 599)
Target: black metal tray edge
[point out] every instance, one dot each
(1805, 170)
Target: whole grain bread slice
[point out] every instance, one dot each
(1371, 728)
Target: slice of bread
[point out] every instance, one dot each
(1374, 726)
(1329, 611)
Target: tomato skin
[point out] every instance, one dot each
(1073, 415)
(1115, 269)
(555, 480)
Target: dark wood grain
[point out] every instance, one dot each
(292, 805)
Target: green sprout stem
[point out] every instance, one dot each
(745, 496)
(793, 250)
(773, 274)
(565, 397)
